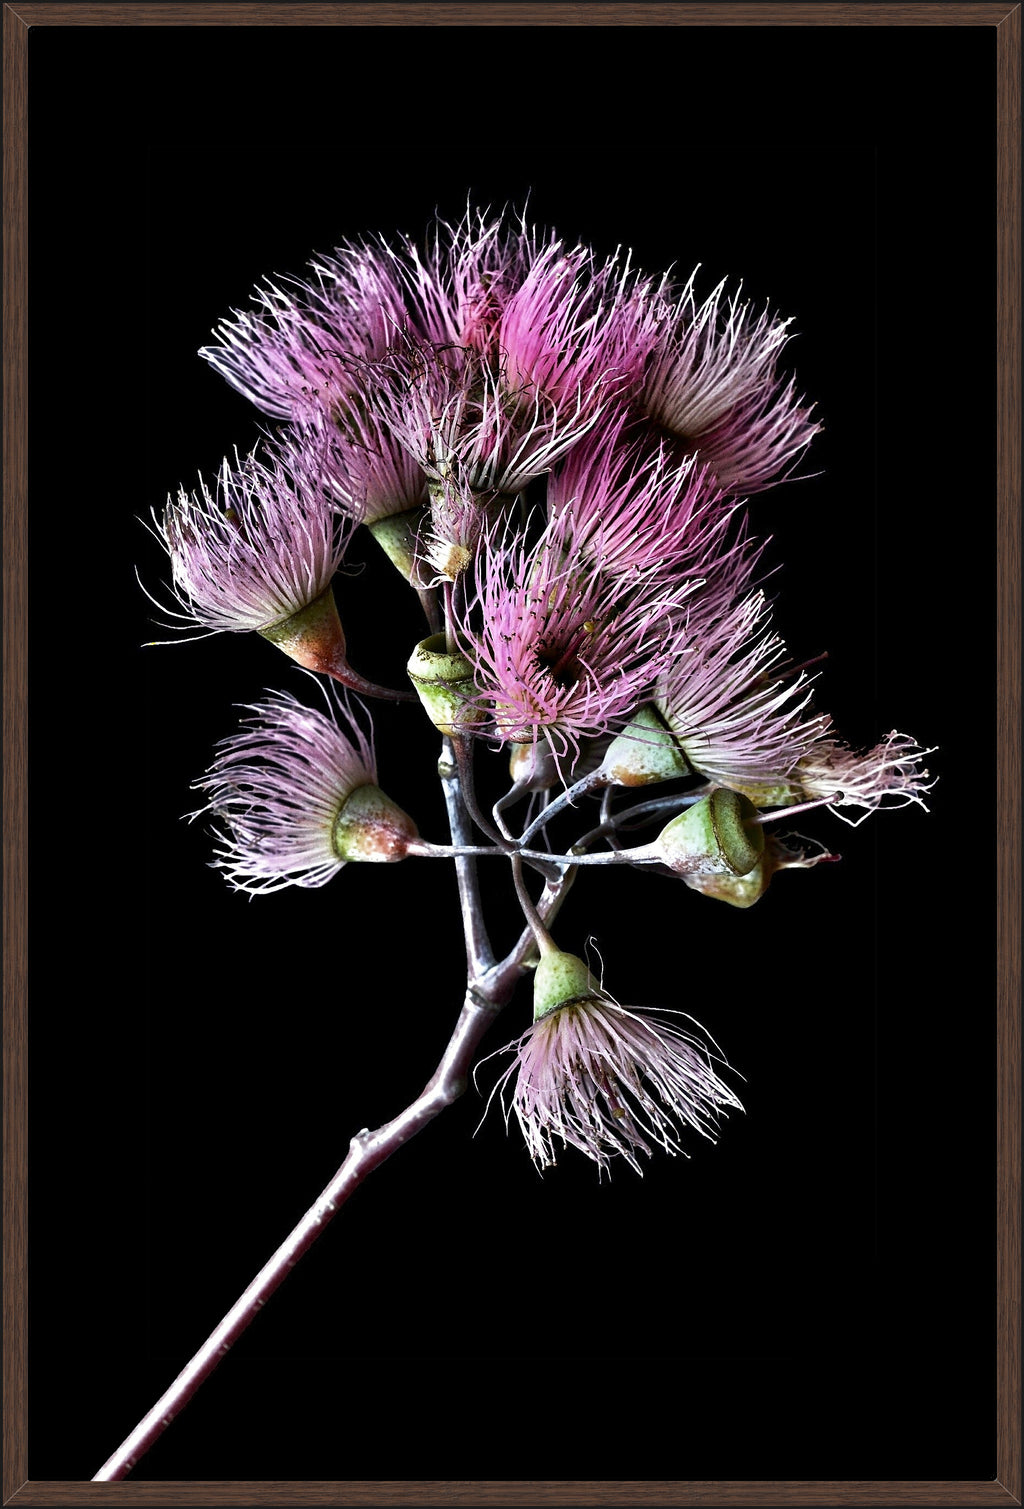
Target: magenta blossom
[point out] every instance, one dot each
(552, 315)
(634, 510)
(459, 285)
(604, 1080)
(461, 416)
(575, 322)
(300, 349)
(712, 384)
(367, 470)
(558, 647)
(492, 286)
(304, 346)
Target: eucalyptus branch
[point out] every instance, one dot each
(464, 758)
(544, 861)
(431, 610)
(554, 630)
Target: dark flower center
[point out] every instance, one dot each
(560, 663)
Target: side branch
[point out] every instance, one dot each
(479, 954)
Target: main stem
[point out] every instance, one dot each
(488, 989)
(367, 1151)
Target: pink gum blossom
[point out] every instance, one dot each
(711, 383)
(634, 510)
(260, 545)
(460, 418)
(888, 775)
(292, 354)
(277, 787)
(607, 1081)
(560, 648)
(729, 699)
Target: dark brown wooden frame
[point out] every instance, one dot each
(1006, 20)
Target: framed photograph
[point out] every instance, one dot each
(821, 1303)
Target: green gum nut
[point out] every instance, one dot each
(560, 980)
(371, 828)
(397, 535)
(644, 752)
(443, 680)
(737, 890)
(719, 835)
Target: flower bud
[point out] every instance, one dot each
(314, 638)
(719, 835)
(644, 752)
(443, 679)
(560, 980)
(372, 828)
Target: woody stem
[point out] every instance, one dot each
(367, 1151)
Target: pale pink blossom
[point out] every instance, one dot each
(258, 545)
(737, 710)
(889, 775)
(277, 788)
(611, 1082)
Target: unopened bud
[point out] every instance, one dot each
(443, 680)
(719, 835)
(644, 752)
(372, 828)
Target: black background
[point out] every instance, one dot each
(813, 1295)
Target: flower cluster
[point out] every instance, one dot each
(555, 449)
